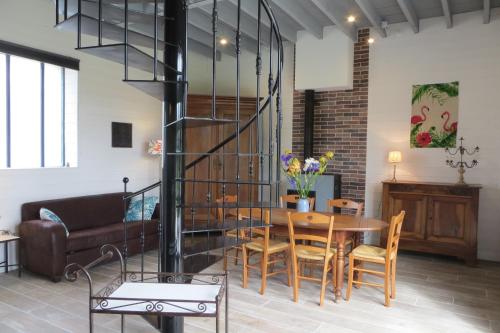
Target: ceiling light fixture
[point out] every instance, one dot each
(371, 40)
(223, 41)
(351, 18)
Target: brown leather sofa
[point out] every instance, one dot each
(92, 221)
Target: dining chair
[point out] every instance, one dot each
(348, 204)
(221, 216)
(322, 256)
(293, 198)
(271, 251)
(378, 255)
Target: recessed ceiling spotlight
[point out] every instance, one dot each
(351, 18)
(223, 41)
(371, 40)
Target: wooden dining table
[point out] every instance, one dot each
(344, 227)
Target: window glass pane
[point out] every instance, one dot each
(71, 117)
(53, 116)
(25, 113)
(3, 112)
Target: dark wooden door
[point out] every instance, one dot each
(222, 164)
(415, 206)
(449, 220)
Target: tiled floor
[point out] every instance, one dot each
(434, 295)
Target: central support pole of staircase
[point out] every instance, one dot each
(172, 191)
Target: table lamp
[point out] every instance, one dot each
(394, 158)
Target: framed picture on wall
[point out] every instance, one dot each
(434, 115)
(121, 135)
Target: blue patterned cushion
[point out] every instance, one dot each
(134, 212)
(49, 215)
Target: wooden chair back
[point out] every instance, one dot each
(346, 203)
(223, 200)
(394, 234)
(258, 215)
(311, 218)
(293, 198)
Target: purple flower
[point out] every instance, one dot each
(292, 182)
(285, 158)
(311, 165)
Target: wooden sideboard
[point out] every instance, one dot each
(440, 218)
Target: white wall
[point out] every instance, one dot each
(103, 98)
(469, 53)
(324, 64)
(200, 75)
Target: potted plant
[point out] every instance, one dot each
(303, 178)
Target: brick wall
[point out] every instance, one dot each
(340, 124)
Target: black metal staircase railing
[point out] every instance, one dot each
(245, 163)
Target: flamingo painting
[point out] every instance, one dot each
(420, 119)
(434, 115)
(452, 127)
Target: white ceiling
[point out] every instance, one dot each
(313, 15)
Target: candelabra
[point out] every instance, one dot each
(461, 165)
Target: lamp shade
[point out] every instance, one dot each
(155, 147)
(394, 157)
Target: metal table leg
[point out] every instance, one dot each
(6, 254)
(19, 264)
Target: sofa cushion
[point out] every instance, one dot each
(48, 215)
(113, 233)
(137, 205)
(80, 213)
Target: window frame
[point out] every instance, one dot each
(43, 57)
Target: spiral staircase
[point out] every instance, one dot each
(150, 39)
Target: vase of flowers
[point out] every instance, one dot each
(303, 205)
(303, 177)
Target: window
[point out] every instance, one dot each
(38, 108)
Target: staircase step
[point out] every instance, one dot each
(109, 31)
(191, 122)
(136, 58)
(200, 245)
(114, 12)
(154, 88)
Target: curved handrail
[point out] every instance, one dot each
(141, 191)
(265, 104)
(276, 86)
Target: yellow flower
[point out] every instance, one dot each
(288, 151)
(329, 155)
(294, 166)
(323, 160)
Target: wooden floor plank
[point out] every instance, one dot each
(435, 294)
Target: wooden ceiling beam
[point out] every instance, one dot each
(296, 13)
(372, 16)
(410, 14)
(333, 15)
(447, 13)
(486, 11)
